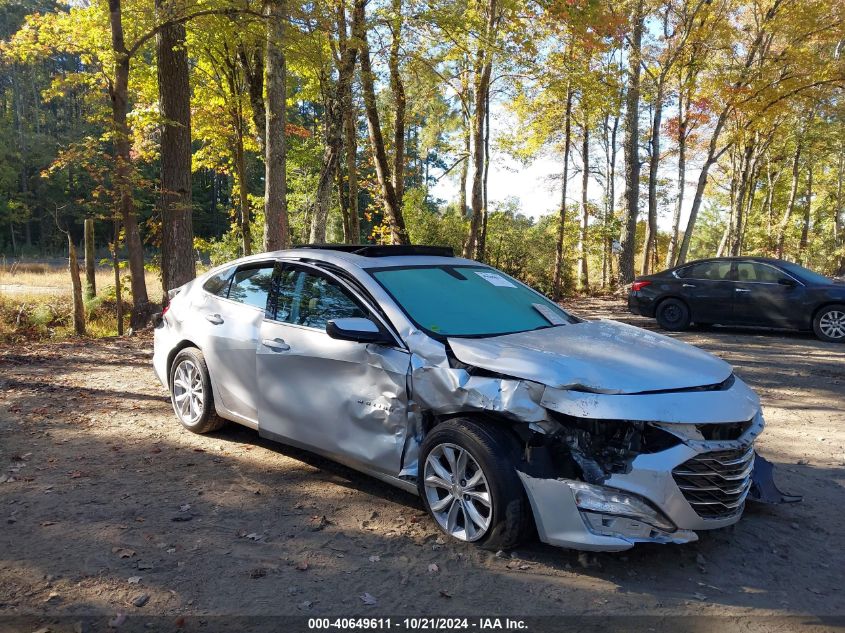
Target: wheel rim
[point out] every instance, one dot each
(457, 492)
(832, 324)
(672, 313)
(188, 396)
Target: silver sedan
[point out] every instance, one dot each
(449, 378)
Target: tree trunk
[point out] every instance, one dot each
(119, 94)
(252, 64)
(334, 124)
(790, 205)
(682, 168)
(557, 289)
(745, 183)
(392, 211)
(712, 156)
(805, 225)
(276, 232)
(76, 284)
(243, 194)
(838, 229)
(583, 274)
(90, 264)
(118, 293)
(653, 164)
(178, 265)
(350, 133)
(397, 89)
(482, 239)
(483, 70)
(628, 238)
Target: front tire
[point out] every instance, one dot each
(190, 392)
(673, 315)
(469, 484)
(829, 323)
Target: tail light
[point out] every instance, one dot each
(639, 285)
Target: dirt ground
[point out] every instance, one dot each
(104, 500)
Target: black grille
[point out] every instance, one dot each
(716, 484)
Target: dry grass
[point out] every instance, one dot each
(27, 280)
(36, 302)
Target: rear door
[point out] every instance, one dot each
(342, 398)
(761, 298)
(231, 323)
(708, 289)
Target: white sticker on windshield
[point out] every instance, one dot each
(496, 280)
(550, 315)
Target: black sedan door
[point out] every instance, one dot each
(708, 289)
(765, 295)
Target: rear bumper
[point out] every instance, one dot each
(164, 340)
(639, 304)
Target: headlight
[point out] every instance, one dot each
(618, 503)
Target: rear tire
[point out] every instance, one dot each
(469, 484)
(673, 314)
(190, 392)
(829, 323)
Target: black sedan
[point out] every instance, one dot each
(751, 291)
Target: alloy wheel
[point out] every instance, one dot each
(188, 396)
(832, 324)
(457, 492)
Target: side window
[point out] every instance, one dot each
(715, 271)
(219, 283)
(749, 271)
(312, 300)
(252, 285)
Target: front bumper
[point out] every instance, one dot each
(653, 479)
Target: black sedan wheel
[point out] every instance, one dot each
(829, 324)
(673, 314)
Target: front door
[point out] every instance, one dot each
(761, 298)
(341, 398)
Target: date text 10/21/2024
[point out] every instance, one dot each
(418, 624)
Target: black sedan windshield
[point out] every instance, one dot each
(468, 300)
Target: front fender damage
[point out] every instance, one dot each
(575, 436)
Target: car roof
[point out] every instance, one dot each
(761, 260)
(346, 258)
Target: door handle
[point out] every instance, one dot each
(276, 343)
(688, 286)
(216, 319)
(742, 290)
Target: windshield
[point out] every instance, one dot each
(468, 300)
(806, 274)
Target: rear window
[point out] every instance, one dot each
(716, 271)
(218, 284)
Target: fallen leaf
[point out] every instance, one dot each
(368, 599)
(301, 565)
(134, 580)
(48, 523)
(433, 568)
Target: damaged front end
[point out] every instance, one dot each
(606, 470)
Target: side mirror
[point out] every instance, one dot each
(355, 329)
(786, 281)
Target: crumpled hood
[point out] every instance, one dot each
(601, 356)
